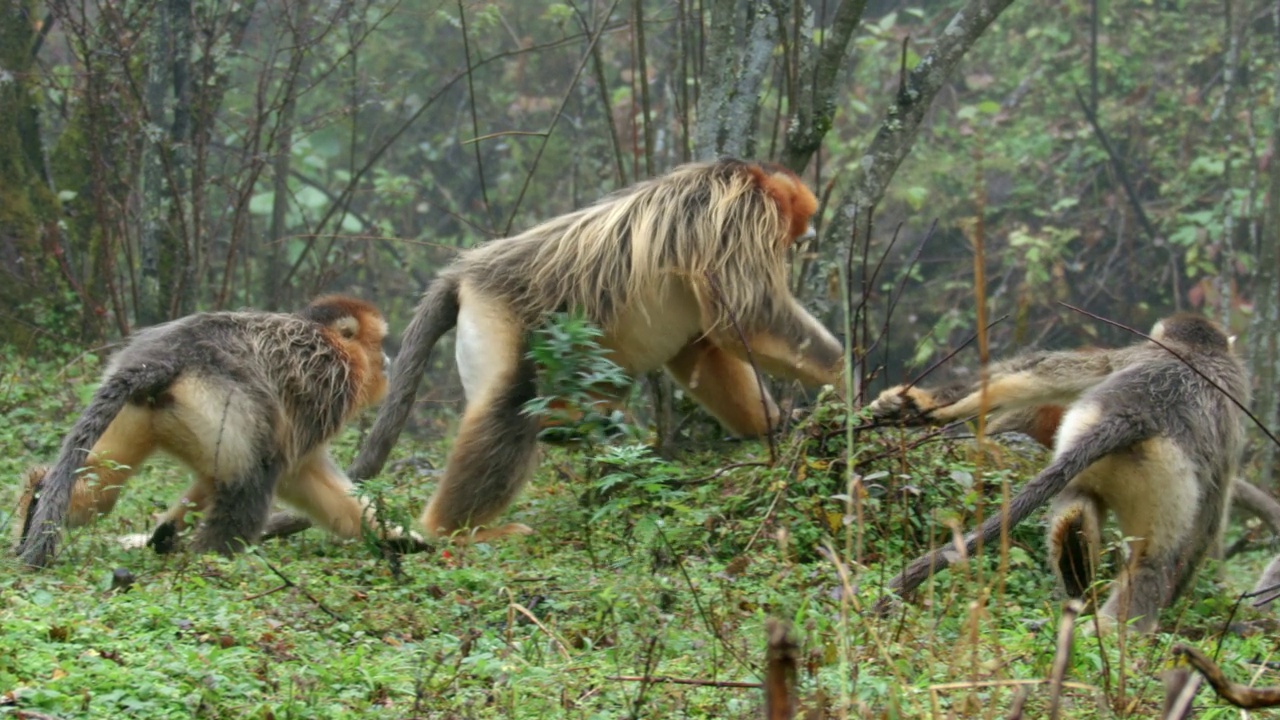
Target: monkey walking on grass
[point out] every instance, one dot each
(248, 400)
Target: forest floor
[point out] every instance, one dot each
(643, 593)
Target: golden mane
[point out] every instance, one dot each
(627, 244)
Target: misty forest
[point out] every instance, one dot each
(991, 178)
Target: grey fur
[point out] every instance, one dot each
(436, 315)
(1139, 393)
(284, 368)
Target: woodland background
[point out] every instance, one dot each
(159, 157)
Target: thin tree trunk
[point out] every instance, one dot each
(743, 37)
(866, 185)
(1264, 332)
(819, 67)
(28, 208)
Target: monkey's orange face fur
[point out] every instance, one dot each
(794, 198)
(358, 328)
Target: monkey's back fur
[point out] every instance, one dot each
(275, 360)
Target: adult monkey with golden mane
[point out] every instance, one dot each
(676, 271)
(248, 400)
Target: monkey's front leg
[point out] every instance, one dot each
(726, 386)
(791, 344)
(1038, 378)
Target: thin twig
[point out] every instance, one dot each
(652, 679)
(306, 593)
(1070, 611)
(564, 651)
(953, 353)
(555, 119)
(755, 370)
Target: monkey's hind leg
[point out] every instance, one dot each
(127, 442)
(496, 447)
(238, 508)
(164, 539)
(1146, 586)
(1075, 539)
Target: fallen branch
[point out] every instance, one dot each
(1242, 696)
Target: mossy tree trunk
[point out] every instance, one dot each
(28, 207)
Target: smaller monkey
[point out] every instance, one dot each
(248, 400)
(1041, 424)
(1144, 436)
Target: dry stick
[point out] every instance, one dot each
(1019, 702)
(306, 593)
(1070, 611)
(564, 651)
(475, 118)
(1180, 688)
(751, 359)
(781, 668)
(1242, 696)
(653, 679)
(1184, 361)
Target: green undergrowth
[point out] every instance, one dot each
(640, 567)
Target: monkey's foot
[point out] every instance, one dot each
(909, 405)
(485, 534)
(134, 541)
(397, 539)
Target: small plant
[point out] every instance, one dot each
(577, 382)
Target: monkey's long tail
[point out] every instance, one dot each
(46, 512)
(435, 316)
(1107, 436)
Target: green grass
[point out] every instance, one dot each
(639, 567)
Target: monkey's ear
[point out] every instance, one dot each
(346, 326)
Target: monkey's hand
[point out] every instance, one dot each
(907, 405)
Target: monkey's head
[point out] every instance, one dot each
(794, 198)
(358, 328)
(1194, 331)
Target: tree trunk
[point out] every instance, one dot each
(870, 179)
(28, 208)
(1264, 332)
(166, 245)
(742, 35)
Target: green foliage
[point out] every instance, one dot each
(575, 369)
(670, 569)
